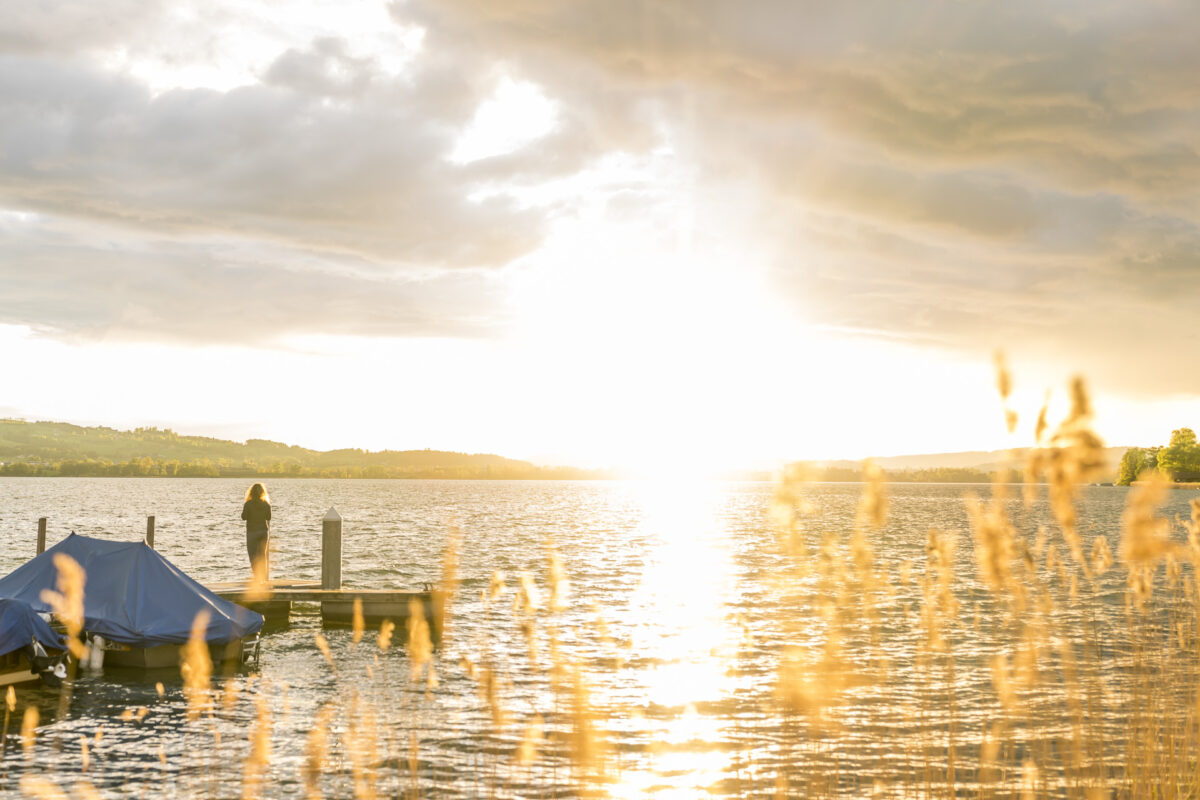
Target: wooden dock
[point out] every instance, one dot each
(337, 605)
(336, 601)
(275, 600)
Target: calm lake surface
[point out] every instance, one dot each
(674, 618)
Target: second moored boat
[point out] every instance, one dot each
(138, 607)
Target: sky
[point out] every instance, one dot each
(600, 233)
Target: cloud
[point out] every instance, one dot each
(1098, 94)
(274, 161)
(81, 281)
(324, 186)
(960, 175)
(322, 154)
(66, 27)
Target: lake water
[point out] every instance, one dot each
(658, 677)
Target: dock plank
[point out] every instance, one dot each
(317, 595)
(241, 586)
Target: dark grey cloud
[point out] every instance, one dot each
(1124, 323)
(1098, 94)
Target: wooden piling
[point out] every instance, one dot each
(150, 530)
(331, 550)
(41, 543)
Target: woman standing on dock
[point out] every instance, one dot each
(257, 513)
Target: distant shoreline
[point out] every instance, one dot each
(1172, 485)
(725, 479)
(564, 475)
(58, 449)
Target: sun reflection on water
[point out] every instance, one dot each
(683, 638)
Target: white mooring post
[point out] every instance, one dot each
(331, 550)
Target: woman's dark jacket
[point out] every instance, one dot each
(257, 513)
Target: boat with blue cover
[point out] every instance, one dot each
(138, 607)
(30, 649)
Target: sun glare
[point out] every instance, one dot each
(683, 630)
(660, 348)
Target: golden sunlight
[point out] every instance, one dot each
(624, 371)
(683, 629)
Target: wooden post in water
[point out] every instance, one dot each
(150, 530)
(331, 550)
(41, 535)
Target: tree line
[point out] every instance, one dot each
(816, 473)
(1179, 460)
(57, 449)
(147, 467)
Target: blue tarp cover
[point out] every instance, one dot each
(132, 594)
(20, 624)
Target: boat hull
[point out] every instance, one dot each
(168, 656)
(15, 668)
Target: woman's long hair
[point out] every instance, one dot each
(257, 492)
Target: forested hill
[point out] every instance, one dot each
(59, 448)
